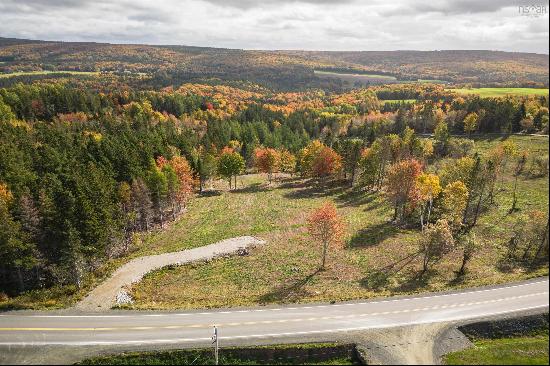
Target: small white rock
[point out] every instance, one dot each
(124, 298)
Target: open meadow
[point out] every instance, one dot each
(500, 92)
(377, 258)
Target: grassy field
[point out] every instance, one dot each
(354, 78)
(526, 350)
(377, 259)
(370, 78)
(25, 73)
(499, 92)
(272, 355)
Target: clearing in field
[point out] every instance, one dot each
(377, 259)
(354, 78)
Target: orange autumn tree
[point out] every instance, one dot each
(326, 162)
(401, 185)
(325, 226)
(184, 174)
(185, 178)
(267, 160)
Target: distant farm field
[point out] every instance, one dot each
(353, 78)
(499, 92)
(370, 78)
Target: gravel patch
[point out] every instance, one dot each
(107, 294)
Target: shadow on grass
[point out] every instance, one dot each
(316, 189)
(373, 235)
(508, 264)
(417, 281)
(210, 193)
(289, 292)
(292, 182)
(355, 197)
(379, 279)
(253, 188)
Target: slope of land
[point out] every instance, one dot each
(279, 69)
(103, 297)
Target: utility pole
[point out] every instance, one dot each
(216, 344)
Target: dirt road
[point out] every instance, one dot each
(104, 296)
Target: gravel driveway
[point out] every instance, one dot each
(104, 296)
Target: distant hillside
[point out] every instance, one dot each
(169, 65)
(454, 65)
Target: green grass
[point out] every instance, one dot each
(526, 350)
(45, 72)
(499, 92)
(273, 355)
(535, 145)
(377, 258)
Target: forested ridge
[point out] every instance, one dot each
(282, 70)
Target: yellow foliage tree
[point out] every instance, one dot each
(428, 188)
(455, 198)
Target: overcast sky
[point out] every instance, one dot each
(284, 24)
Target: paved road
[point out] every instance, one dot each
(249, 325)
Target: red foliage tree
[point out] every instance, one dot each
(267, 160)
(326, 162)
(325, 226)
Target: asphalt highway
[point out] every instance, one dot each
(249, 325)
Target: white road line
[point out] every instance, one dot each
(255, 336)
(280, 309)
(277, 321)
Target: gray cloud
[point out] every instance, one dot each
(451, 7)
(283, 24)
(248, 4)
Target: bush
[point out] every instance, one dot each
(459, 148)
(539, 166)
(529, 242)
(437, 241)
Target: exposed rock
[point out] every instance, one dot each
(124, 298)
(243, 252)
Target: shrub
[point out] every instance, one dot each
(539, 166)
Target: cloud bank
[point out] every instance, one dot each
(284, 24)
